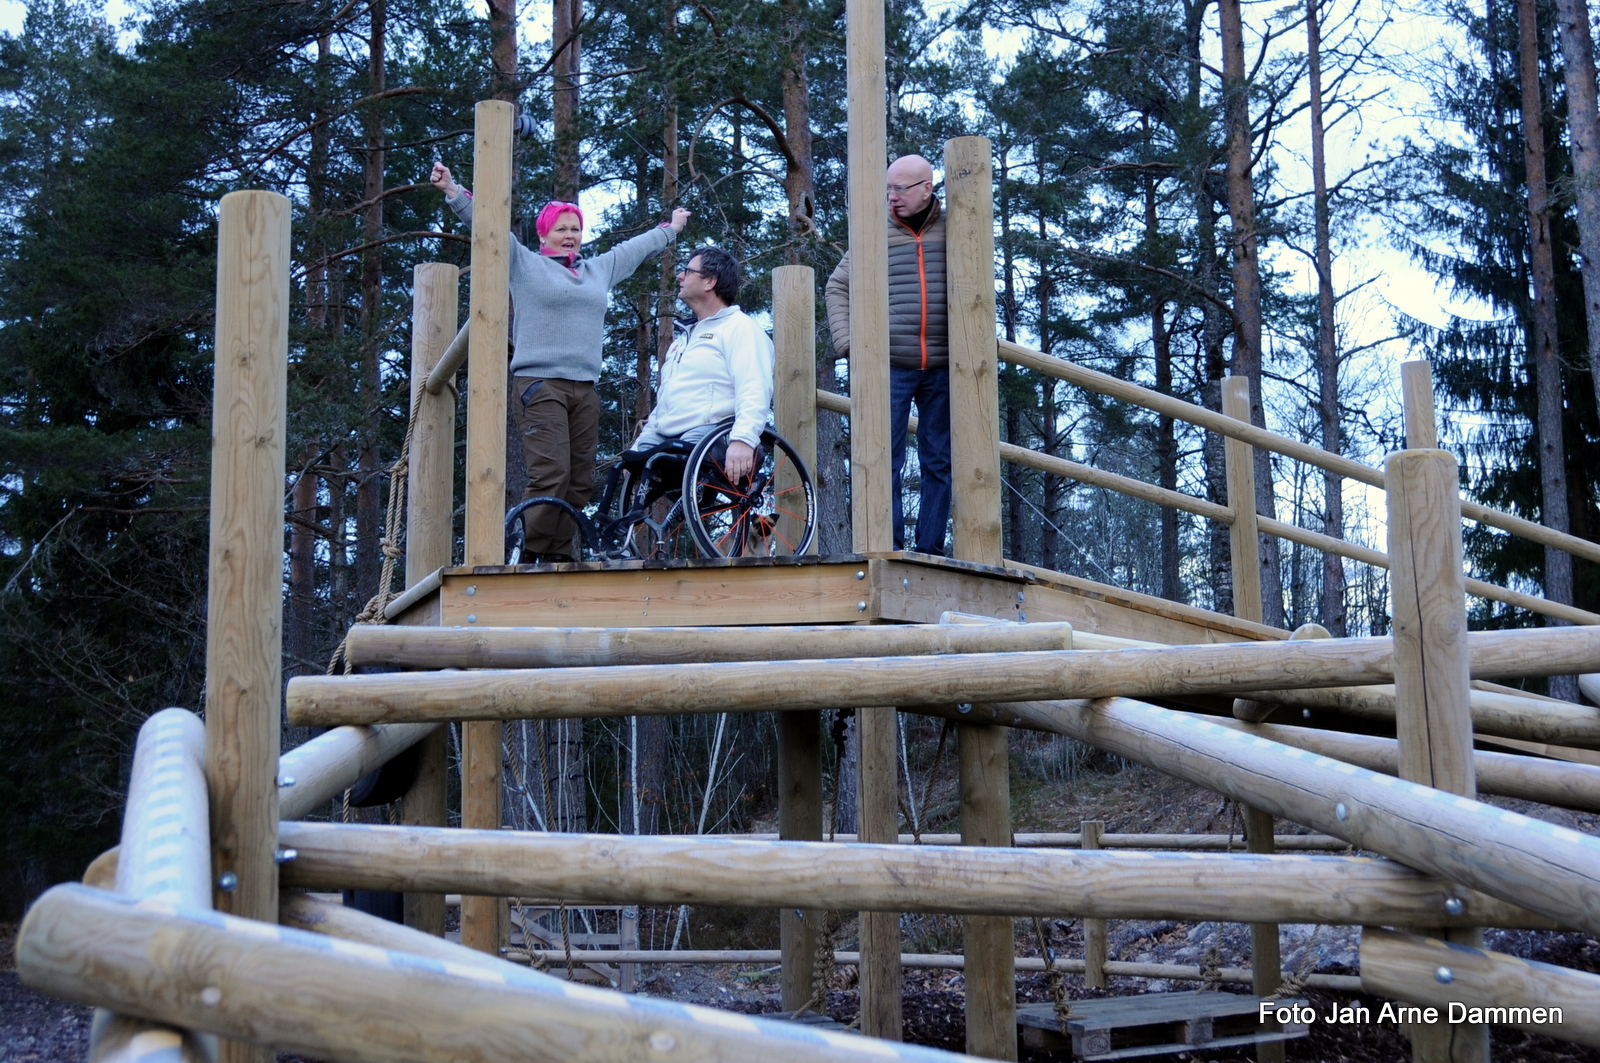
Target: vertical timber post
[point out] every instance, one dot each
(794, 319)
(1432, 677)
(244, 604)
(1244, 544)
(429, 536)
(1095, 943)
(870, 474)
(989, 941)
(481, 917)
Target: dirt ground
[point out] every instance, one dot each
(1051, 792)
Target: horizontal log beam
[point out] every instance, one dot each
(1411, 968)
(330, 763)
(1174, 671)
(605, 868)
(327, 998)
(384, 646)
(1550, 869)
(1550, 782)
(1072, 840)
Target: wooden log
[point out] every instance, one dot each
(311, 775)
(799, 819)
(1549, 869)
(1433, 718)
(1458, 980)
(1104, 384)
(166, 837)
(1244, 540)
(1075, 840)
(328, 998)
(1550, 782)
(963, 880)
(878, 819)
(1256, 711)
(443, 373)
(824, 682)
(386, 646)
(1416, 389)
(794, 395)
(871, 477)
(1266, 961)
(989, 941)
(425, 805)
(482, 919)
(1096, 944)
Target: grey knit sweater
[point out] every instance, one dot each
(561, 314)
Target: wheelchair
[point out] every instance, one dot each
(675, 502)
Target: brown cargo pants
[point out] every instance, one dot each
(559, 421)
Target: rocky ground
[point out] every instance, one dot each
(1053, 796)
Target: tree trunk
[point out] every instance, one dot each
(1247, 282)
(1166, 438)
(1333, 591)
(798, 180)
(846, 735)
(1546, 353)
(317, 185)
(503, 49)
(669, 187)
(1583, 125)
(564, 776)
(300, 637)
(566, 16)
(369, 506)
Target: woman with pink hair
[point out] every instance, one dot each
(559, 300)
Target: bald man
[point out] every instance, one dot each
(919, 343)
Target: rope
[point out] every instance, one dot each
(1054, 976)
(1211, 967)
(373, 611)
(822, 968)
(1292, 985)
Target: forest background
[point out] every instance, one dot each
(1166, 212)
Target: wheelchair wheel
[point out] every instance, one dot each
(773, 514)
(642, 528)
(516, 531)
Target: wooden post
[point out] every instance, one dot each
(244, 609)
(429, 535)
(794, 395)
(1416, 385)
(1266, 961)
(877, 815)
(870, 475)
(990, 945)
(482, 918)
(1095, 943)
(799, 819)
(1432, 680)
(1244, 542)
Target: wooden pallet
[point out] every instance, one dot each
(1152, 1024)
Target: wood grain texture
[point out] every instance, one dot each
(429, 476)
(1095, 942)
(799, 819)
(1266, 962)
(1432, 664)
(244, 606)
(1256, 711)
(1404, 966)
(451, 361)
(964, 880)
(482, 924)
(1244, 542)
(1416, 389)
(425, 805)
(334, 760)
(974, 359)
(878, 815)
(871, 477)
(794, 392)
(334, 999)
(989, 943)
(371, 645)
(1549, 869)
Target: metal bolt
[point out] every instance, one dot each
(1023, 617)
(1341, 811)
(283, 856)
(905, 583)
(861, 607)
(662, 1041)
(1444, 976)
(228, 882)
(861, 573)
(472, 590)
(964, 708)
(1020, 597)
(286, 780)
(1454, 905)
(211, 996)
(472, 618)
(1306, 713)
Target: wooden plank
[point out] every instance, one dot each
(800, 594)
(244, 608)
(794, 395)
(799, 819)
(1408, 967)
(300, 991)
(966, 880)
(974, 368)
(871, 476)
(483, 918)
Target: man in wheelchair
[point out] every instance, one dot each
(720, 368)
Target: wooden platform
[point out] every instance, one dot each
(1152, 1024)
(843, 589)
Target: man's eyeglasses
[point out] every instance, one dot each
(900, 190)
(690, 269)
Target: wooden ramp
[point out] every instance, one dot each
(900, 587)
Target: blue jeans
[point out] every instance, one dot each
(930, 390)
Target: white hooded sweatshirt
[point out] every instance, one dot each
(721, 367)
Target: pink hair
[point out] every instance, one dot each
(552, 211)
